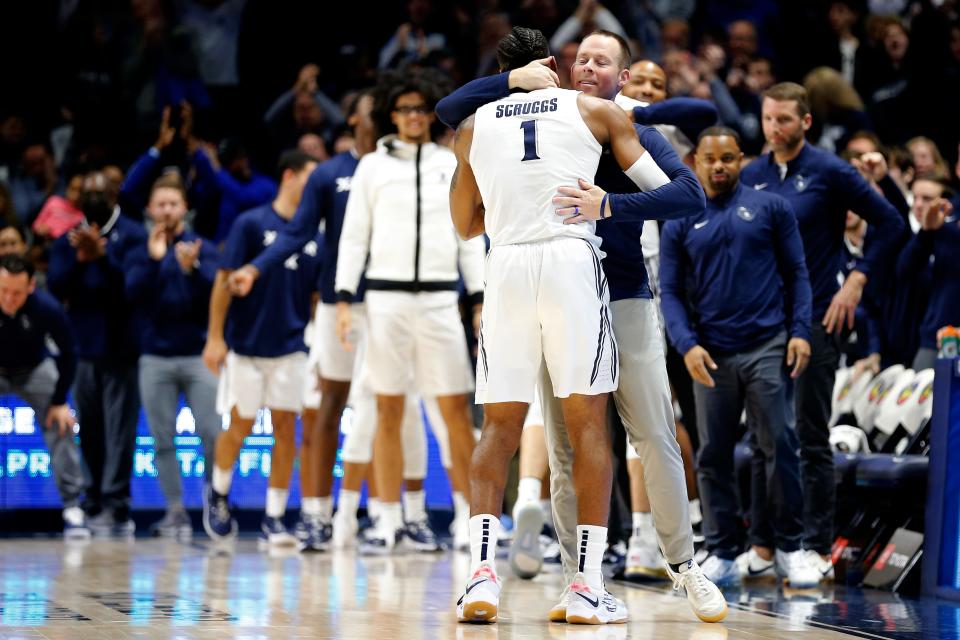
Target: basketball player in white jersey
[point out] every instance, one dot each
(545, 303)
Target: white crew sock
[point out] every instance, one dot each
(547, 507)
(528, 490)
(311, 506)
(391, 518)
(221, 480)
(276, 502)
(373, 508)
(592, 543)
(643, 527)
(414, 506)
(326, 508)
(348, 501)
(484, 531)
(461, 508)
(696, 516)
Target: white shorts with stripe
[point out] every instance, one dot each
(545, 302)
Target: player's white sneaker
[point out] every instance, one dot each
(720, 570)
(704, 597)
(643, 560)
(481, 599)
(793, 566)
(526, 555)
(586, 605)
(823, 567)
(751, 566)
(558, 612)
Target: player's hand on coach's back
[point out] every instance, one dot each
(698, 360)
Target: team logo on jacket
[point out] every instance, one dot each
(310, 248)
(268, 237)
(344, 183)
(746, 214)
(800, 183)
(25, 321)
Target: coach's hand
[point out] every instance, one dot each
(698, 361)
(60, 415)
(844, 304)
(581, 205)
(241, 280)
(345, 325)
(798, 356)
(214, 354)
(539, 74)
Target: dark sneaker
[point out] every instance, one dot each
(375, 542)
(274, 533)
(174, 524)
(313, 533)
(75, 524)
(112, 524)
(420, 537)
(217, 521)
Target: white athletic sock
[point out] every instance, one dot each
(414, 506)
(643, 527)
(326, 508)
(547, 507)
(276, 502)
(461, 508)
(221, 480)
(310, 506)
(391, 518)
(348, 501)
(528, 490)
(696, 516)
(484, 531)
(592, 543)
(373, 508)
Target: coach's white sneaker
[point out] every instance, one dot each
(751, 566)
(793, 566)
(704, 597)
(481, 599)
(586, 605)
(823, 566)
(558, 612)
(643, 560)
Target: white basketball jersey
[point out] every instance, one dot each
(524, 147)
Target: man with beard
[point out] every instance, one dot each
(87, 274)
(734, 264)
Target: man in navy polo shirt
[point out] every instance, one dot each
(741, 266)
(260, 346)
(821, 188)
(27, 318)
(169, 277)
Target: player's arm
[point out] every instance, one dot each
(466, 205)
(215, 350)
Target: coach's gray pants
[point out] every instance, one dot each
(643, 402)
(162, 379)
(35, 387)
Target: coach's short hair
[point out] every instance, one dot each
(626, 58)
(521, 47)
(783, 91)
(717, 131)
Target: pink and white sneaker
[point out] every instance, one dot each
(586, 605)
(482, 597)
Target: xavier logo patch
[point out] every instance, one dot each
(745, 214)
(344, 183)
(800, 183)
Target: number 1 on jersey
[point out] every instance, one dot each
(529, 140)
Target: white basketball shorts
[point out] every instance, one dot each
(249, 384)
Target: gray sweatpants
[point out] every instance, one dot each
(162, 380)
(643, 402)
(36, 389)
